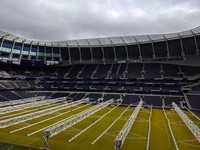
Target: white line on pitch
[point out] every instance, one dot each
(10, 148)
(50, 105)
(25, 111)
(193, 114)
(110, 126)
(92, 124)
(45, 120)
(18, 113)
(32, 133)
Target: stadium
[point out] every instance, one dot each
(127, 92)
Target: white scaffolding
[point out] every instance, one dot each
(73, 120)
(26, 117)
(170, 129)
(110, 125)
(119, 140)
(21, 101)
(149, 130)
(193, 128)
(29, 105)
(94, 122)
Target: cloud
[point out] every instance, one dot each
(76, 19)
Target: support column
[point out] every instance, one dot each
(154, 54)
(138, 44)
(37, 51)
(102, 49)
(91, 52)
(45, 52)
(167, 45)
(182, 50)
(113, 46)
(126, 48)
(52, 54)
(195, 40)
(11, 54)
(20, 56)
(29, 54)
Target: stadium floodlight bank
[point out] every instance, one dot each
(72, 121)
(193, 128)
(21, 101)
(29, 105)
(26, 117)
(119, 140)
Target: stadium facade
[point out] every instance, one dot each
(139, 48)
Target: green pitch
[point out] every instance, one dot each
(160, 137)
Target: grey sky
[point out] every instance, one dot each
(76, 19)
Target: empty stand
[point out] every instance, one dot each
(170, 70)
(152, 70)
(153, 100)
(134, 71)
(194, 101)
(130, 99)
(169, 100)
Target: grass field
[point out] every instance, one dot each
(160, 137)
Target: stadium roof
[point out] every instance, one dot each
(107, 41)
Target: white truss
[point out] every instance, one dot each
(74, 137)
(193, 128)
(119, 140)
(21, 101)
(29, 105)
(110, 125)
(73, 120)
(149, 130)
(26, 117)
(170, 129)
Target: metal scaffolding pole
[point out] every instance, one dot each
(72, 121)
(193, 128)
(119, 140)
(26, 117)
(21, 101)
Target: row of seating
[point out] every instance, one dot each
(100, 71)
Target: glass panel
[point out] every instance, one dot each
(72, 43)
(83, 42)
(55, 44)
(11, 37)
(156, 37)
(185, 33)
(196, 30)
(94, 42)
(117, 40)
(105, 41)
(171, 35)
(129, 39)
(20, 40)
(62, 44)
(142, 38)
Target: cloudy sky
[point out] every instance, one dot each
(77, 19)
